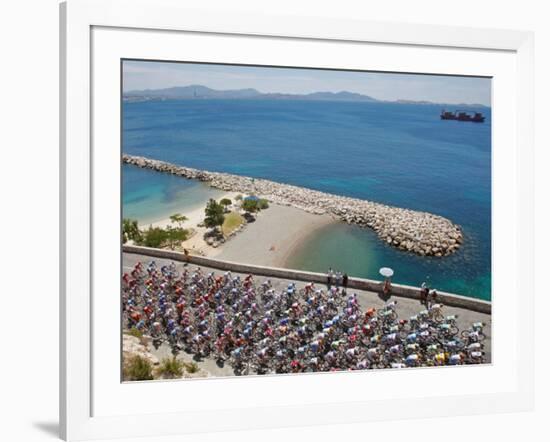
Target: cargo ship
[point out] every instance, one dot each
(474, 117)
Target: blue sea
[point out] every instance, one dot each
(393, 153)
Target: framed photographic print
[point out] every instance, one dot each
(318, 218)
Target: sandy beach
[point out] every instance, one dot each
(195, 216)
(268, 240)
(195, 243)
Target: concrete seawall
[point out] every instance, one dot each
(412, 231)
(400, 290)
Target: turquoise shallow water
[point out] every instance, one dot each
(360, 252)
(399, 154)
(149, 196)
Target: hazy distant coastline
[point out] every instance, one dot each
(199, 92)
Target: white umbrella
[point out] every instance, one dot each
(386, 272)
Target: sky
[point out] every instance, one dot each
(138, 75)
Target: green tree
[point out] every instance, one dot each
(130, 230)
(213, 214)
(158, 237)
(175, 235)
(225, 202)
(250, 206)
(154, 237)
(178, 218)
(263, 204)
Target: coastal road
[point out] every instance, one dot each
(405, 307)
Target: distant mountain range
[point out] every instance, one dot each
(198, 92)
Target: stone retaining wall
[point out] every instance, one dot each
(404, 291)
(409, 230)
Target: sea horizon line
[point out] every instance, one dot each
(201, 92)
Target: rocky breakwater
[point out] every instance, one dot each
(417, 232)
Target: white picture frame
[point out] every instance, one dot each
(78, 417)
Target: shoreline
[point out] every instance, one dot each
(306, 238)
(269, 240)
(194, 216)
(421, 233)
(272, 236)
(195, 243)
